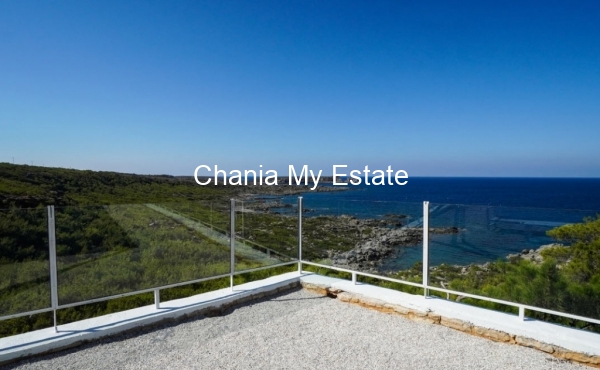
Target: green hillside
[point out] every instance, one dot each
(26, 186)
(110, 240)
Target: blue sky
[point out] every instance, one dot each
(442, 88)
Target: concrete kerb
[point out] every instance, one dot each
(45, 341)
(564, 343)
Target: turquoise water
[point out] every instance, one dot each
(495, 216)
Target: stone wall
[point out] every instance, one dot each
(464, 326)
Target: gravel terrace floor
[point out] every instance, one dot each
(298, 330)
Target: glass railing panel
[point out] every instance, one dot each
(266, 232)
(384, 238)
(507, 253)
(210, 218)
(109, 250)
(213, 214)
(24, 261)
(321, 239)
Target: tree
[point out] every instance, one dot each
(584, 262)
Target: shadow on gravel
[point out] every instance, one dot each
(271, 298)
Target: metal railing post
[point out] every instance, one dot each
(521, 312)
(300, 235)
(157, 298)
(425, 248)
(52, 253)
(243, 234)
(232, 242)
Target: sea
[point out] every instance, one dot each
(494, 216)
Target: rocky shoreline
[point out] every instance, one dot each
(382, 240)
(376, 238)
(532, 255)
(373, 239)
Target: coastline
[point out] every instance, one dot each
(369, 242)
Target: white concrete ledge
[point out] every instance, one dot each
(569, 338)
(46, 340)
